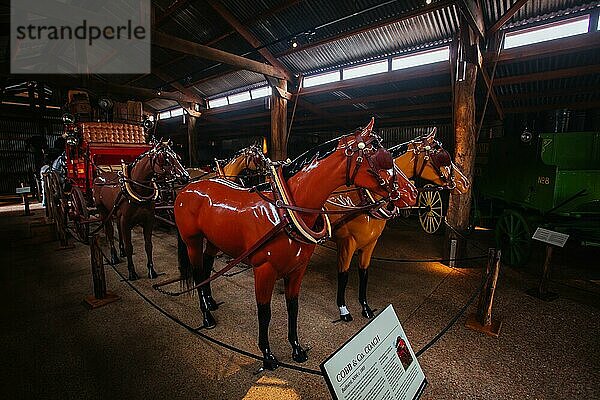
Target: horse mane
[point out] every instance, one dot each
(319, 152)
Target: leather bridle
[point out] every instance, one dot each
(431, 157)
(367, 151)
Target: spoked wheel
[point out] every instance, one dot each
(58, 204)
(431, 210)
(513, 237)
(405, 212)
(79, 214)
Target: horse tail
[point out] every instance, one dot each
(185, 265)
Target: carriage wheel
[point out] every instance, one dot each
(513, 237)
(79, 214)
(431, 210)
(58, 204)
(46, 194)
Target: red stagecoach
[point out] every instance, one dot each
(89, 146)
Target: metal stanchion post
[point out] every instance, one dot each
(481, 321)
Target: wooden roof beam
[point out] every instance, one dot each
(590, 41)
(508, 15)
(471, 10)
(172, 8)
(198, 50)
(386, 96)
(101, 86)
(549, 75)
(581, 105)
(182, 89)
(250, 38)
(424, 71)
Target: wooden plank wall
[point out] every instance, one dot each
(17, 161)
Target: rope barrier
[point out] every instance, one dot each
(196, 332)
(202, 335)
(415, 260)
(453, 320)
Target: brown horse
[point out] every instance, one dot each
(130, 196)
(422, 157)
(250, 158)
(227, 217)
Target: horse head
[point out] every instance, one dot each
(432, 162)
(166, 164)
(250, 158)
(389, 181)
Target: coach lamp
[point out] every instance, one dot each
(148, 124)
(68, 119)
(526, 136)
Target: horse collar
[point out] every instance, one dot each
(295, 222)
(130, 193)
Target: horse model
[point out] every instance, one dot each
(131, 195)
(250, 158)
(276, 231)
(421, 157)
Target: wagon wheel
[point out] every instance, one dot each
(79, 214)
(431, 210)
(46, 195)
(58, 204)
(405, 212)
(513, 237)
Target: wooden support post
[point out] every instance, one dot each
(464, 131)
(26, 204)
(279, 138)
(542, 292)
(101, 296)
(192, 141)
(481, 321)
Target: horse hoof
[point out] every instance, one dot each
(346, 317)
(208, 321)
(114, 259)
(270, 362)
(299, 354)
(211, 303)
(133, 276)
(367, 313)
(152, 274)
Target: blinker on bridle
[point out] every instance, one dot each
(366, 152)
(430, 157)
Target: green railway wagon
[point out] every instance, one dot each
(551, 181)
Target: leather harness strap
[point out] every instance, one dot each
(268, 236)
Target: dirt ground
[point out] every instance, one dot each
(55, 348)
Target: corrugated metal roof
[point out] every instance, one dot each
(494, 9)
(197, 21)
(419, 32)
(231, 81)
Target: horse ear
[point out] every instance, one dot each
(366, 132)
(430, 138)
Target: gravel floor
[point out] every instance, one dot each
(53, 347)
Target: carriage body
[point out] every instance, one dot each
(104, 145)
(553, 181)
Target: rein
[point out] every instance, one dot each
(274, 231)
(280, 204)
